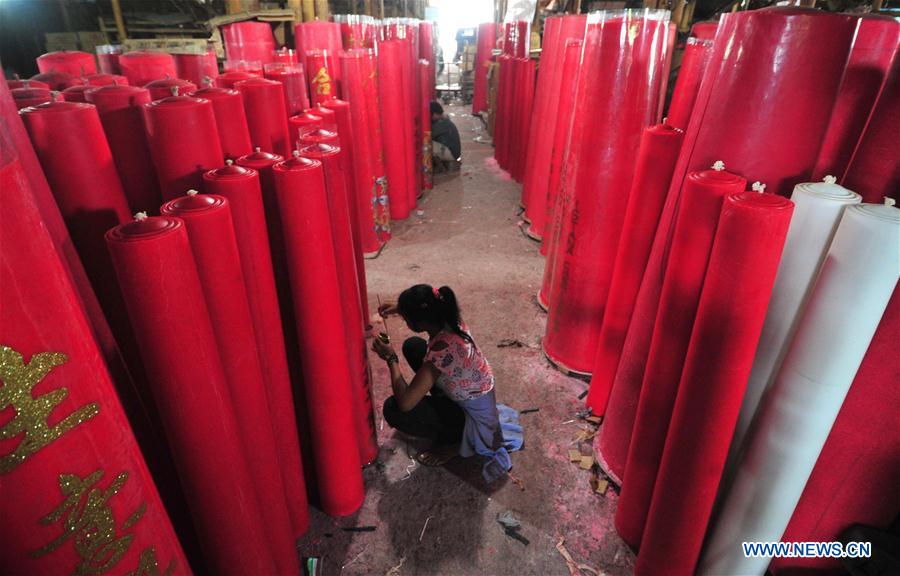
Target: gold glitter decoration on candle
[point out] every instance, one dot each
(32, 413)
(149, 566)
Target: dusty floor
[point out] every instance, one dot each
(443, 520)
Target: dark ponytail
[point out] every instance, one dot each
(438, 306)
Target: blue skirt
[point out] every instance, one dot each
(492, 431)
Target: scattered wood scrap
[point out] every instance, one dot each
(575, 569)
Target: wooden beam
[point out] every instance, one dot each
(120, 22)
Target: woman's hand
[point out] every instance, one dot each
(383, 349)
(387, 309)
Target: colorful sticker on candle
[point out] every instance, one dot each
(32, 413)
(380, 208)
(322, 82)
(88, 521)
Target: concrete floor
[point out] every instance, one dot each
(443, 520)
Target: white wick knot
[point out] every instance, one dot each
(296, 153)
(229, 161)
(829, 179)
(257, 149)
(140, 216)
(888, 201)
(192, 192)
(174, 90)
(718, 165)
(758, 187)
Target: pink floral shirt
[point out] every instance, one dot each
(465, 372)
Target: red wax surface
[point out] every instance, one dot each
(603, 156)
(293, 85)
(231, 122)
(286, 56)
(108, 58)
(327, 115)
(391, 96)
(301, 123)
(120, 110)
(55, 80)
(350, 285)
(252, 67)
(517, 39)
(798, 52)
(854, 480)
(557, 199)
(166, 87)
(655, 163)
(874, 171)
(487, 40)
(874, 48)
(371, 196)
(501, 136)
(264, 107)
(141, 67)
(249, 41)
(317, 35)
(357, 31)
(549, 85)
(13, 84)
(229, 79)
(692, 242)
(69, 62)
(25, 97)
(153, 261)
(319, 136)
(241, 187)
(705, 30)
(697, 54)
(304, 212)
(199, 69)
(45, 333)
(106, 79)
(742, 265)
(184, 142)
(524, 100)
(214, 246)
(321, 67)
(426, 52)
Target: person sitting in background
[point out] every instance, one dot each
(446, 149)
(451, 399)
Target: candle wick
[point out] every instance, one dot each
(54, 96)
(174, 90)
(829, 179)
(140, 216)
(718, 165)
(207, 80)
(758, 187)
(229, 161)
(257, 149)
(888, 201)
(192, 192)
(296, 153)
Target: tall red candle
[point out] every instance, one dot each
(500, 124)
(56, 80)
(264, 106)
(557, 199)
(49, 356)
(240, 186)
(249, 41)
(106, 79)
(231, 122)
(166, 87)
(229, 79)
(141, 67)
(426, 90)
(199, 69)
(214, 246)
(179, 348)
(293, 85)
(360, 79)
(874, 48)
(874, 171)
(108, 58)
(391, 96)
(120, 111)
(184, 142)
(653, 173)
(317, 35)
(604, 156)
(742, 265)
(329, 120)
(301, 123)
(75, 93)
(765, 52)
(697, 54)
(25, 97)
(692, 241)
(68, 61)
(319, 136)
(487, 39)
(357, 31)
(544, 115)
(526, 98)
(12, 84)
(350, 286)
(303, 208)
(426, 52)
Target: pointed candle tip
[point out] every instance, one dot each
(718, 165)
(829, 179)
(192, 192)
(140, 216)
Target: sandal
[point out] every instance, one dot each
(438, 457)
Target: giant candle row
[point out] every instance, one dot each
(663, 292)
